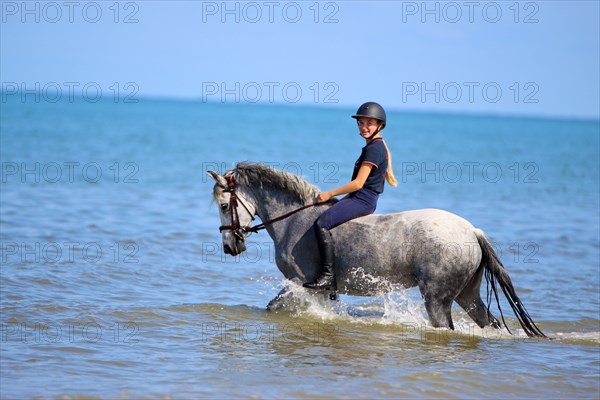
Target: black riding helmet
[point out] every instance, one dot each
(371, 109)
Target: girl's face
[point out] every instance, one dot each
(367, 126)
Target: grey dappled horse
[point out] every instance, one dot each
(440, 252)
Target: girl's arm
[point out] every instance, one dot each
(356, 184)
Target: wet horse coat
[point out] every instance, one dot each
(440, 252)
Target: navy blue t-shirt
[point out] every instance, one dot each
(374, 154)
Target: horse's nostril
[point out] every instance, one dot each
(227, 249)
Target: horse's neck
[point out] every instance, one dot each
(274, 205)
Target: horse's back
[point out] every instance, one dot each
(417, 229)
(426, 217)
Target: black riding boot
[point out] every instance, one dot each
(327, 279)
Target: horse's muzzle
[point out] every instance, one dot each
(239, 246)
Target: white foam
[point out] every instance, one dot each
(584, 336)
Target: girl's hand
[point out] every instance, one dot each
(324, 196)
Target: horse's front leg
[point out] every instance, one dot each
(294, 297)
(285, 299)
(278, 302)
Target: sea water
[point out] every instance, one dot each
(114, 282)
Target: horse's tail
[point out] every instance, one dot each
(495, 273)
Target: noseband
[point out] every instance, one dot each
(238, 230)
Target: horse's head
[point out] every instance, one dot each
(236, 211)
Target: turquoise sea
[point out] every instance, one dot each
(114, 283)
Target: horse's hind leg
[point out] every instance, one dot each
(470, 300)
(478, 311)
(439, 313)
(438, 308)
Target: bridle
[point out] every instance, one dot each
(238, 230)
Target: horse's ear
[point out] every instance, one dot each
(218, 178)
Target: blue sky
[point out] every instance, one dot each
(505, 57)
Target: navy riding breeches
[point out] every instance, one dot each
(356, 204)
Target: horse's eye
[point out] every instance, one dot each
(224, 206)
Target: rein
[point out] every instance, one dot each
(235, 226)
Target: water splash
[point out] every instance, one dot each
(398, 307)
(394, 307)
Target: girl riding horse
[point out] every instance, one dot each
(371, 170)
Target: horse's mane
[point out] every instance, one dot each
(263, 176)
